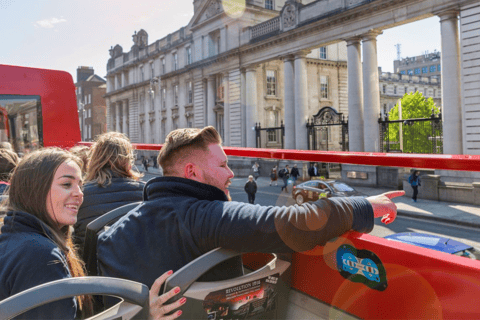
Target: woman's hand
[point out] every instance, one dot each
(383, 207)
(158, 310)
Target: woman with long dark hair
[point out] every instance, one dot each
(35, 242)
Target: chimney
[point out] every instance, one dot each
(83, 73)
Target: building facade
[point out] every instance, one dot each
(427, 65)
(393, 86)
(92, 109)
(193, 78)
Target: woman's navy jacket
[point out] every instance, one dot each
(181, 219)
(28, 257)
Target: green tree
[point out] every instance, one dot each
(417, 136)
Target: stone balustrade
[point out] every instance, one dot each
(266, 27)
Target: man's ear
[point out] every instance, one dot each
(190, 171)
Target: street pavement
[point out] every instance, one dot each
(449, 212)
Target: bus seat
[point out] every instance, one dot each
(252, 296)
(94, 228)
(134, 295)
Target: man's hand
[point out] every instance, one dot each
(384, 207)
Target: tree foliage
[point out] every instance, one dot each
(418, 136)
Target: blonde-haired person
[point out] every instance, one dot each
(110, 181)
(82, 152)
(35, 241)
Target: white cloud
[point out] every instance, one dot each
(48, 23)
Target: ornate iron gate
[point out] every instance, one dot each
(327, 130)
(272, 137)
(421, 135)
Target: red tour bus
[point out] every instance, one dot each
(355, 276)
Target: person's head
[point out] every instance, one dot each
(6, 145)
(286, 166)
(82, 153)
(314, 164)
(196, 154)
(8, 161)
(47, 184)
(416, 173)
(111, 155)
(295, 165)
(250, 178)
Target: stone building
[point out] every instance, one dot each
(393, 86)
(194, 77)
(92, 112)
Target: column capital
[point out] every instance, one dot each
(289, 57)
(371, 35)
(211, 77)
(353, 40)
(302, 54)
(447, 14)
(251, 68)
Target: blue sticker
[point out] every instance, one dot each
(361, 266)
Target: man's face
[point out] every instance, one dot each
(214, 170)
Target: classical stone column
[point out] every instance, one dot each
(211, 101)
(148, 103)
(371, 93)
(169, 106)
(226, 109)
(301, 101)
(117, 116)
(243, 105)
(289, 101)
(355, 95)
(125, 117)
(451, 98)
(251, 105)
(182, 95)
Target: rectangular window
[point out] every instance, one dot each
(175, 61)
(163, 66)
(273, 122)
(417, 70)
(395, 90)
(434, 92)
(176, 95)
(410, 72)
(403, 72)
(164, 98)
(324, 87)
(220, 125)
(424, 69)
(438, 68)
(152, 72)
(89, 98)
(269, 4)
(323, 53)
(89, 113)
(142, 74)
(21, 122)
(271, 83)
(406, 90)
(433, 68)
(190, 92)
(384, 88)
(190, 122)
(189, 55)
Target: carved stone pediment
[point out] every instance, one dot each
(210, 9)
(289, 15)
(328, 115)
(213, 8)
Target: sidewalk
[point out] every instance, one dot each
(449, 212)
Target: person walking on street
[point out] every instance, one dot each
(313, 171)
(294, 174)
(273, 176)
(251, 189)
(285, 174)
(256, 172)
(414, 181)
(145, 163)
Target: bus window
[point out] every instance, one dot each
(21, 122)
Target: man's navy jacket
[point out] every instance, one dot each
(182, 219)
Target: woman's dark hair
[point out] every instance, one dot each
(8, 161)
(30, 184)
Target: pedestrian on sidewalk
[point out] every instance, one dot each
(273, 176)
(251, 189)
(256, 171)
(285, 174)
(294, 174)
(145, 163)
(414, 181)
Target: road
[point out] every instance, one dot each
(272, 195)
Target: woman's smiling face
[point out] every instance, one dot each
(65, 195)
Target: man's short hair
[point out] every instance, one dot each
(8, 162)
(180, 144)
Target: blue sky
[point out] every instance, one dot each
(65, 34)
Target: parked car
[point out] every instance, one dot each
(437, 243)
(314, 189)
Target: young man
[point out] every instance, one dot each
(294, 174)
(251, 189)
(285, 174)
(186, 213)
